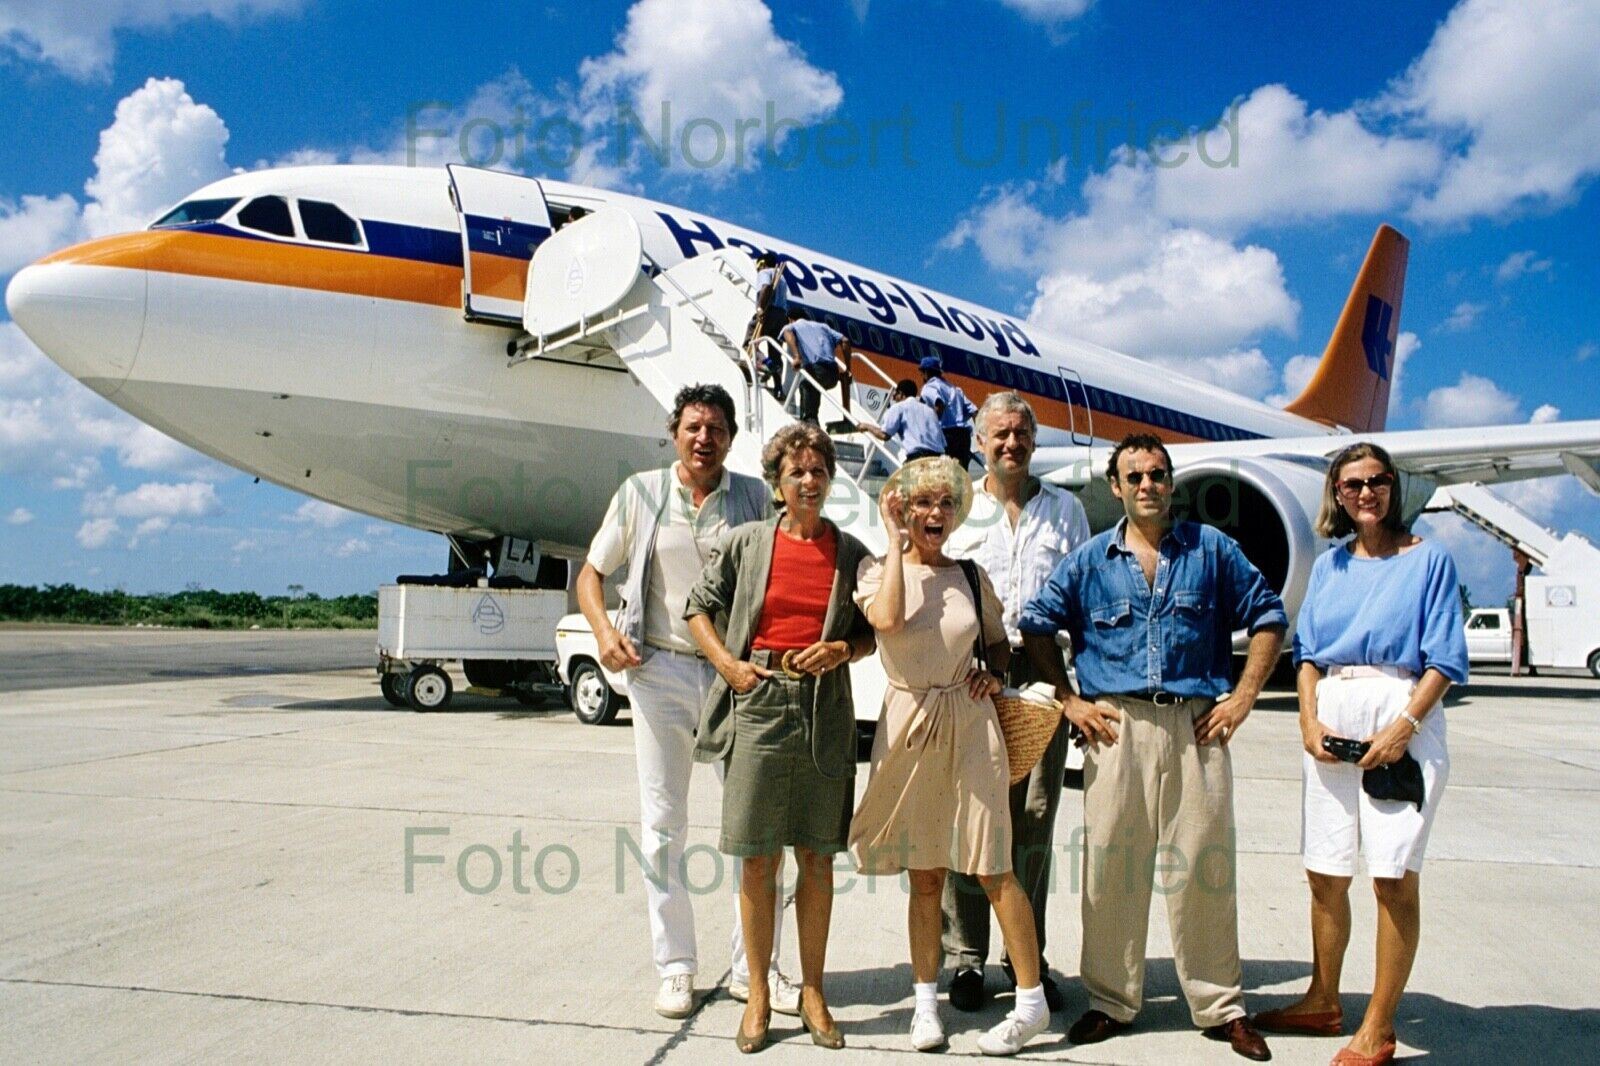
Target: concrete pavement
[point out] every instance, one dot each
(215, 869)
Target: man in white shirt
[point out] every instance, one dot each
(664, 525)
(1018, 530)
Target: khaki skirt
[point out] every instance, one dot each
(773, 795)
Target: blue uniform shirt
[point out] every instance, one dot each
(916, 425)
(1401, 611)
(958, 410)
(816, 340)
(1175, 635)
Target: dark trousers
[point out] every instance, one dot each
(826, 375)
(958, 444)
(1034, 802)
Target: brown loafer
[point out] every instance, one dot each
(1096, 1026)
(1321, 1023)
(1244, 1040)
(1346, 1057)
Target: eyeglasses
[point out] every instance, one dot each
(1352, 486)
(1158, 476)
(944, 503)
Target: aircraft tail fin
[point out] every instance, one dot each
(1350, 387)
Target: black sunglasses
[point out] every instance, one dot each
(1157, 476)
(1352, 486)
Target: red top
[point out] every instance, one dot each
(797, 591)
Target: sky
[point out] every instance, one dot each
(1190, 184)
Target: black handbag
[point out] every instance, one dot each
(1400, 780)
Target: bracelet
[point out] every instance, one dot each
(1413, 721)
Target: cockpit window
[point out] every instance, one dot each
(325, 222)
(269, 214)
(191, 211)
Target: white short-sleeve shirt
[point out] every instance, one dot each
(684, 540)
(1019, 561)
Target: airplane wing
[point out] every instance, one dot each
(1486, 454)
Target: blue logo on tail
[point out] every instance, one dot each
(1375, 336)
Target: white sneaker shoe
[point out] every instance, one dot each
(675, 999)
(927, 1031)
(785, 993)
(1008, 1037)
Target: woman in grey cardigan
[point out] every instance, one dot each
(774, 614)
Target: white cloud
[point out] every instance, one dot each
(1463, 317)
(35, 226)
(163, 500)
(1248, 372)
(1515, 82)
(161, 146)
(79, 38)
(1517, 264)
(1545, 412)
(97, 532)
(352, 546)
(1195, 295)
(1049, 12)
(21, 516)
(713, 64)
(318, 513)
(1296, 376)
(1405, 346)
(1270, 158)
(244, 544)
(1471, 401)
(1585, 352)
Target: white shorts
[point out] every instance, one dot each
(1339, 820)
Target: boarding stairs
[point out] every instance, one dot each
(1498, 517)
(593, 288)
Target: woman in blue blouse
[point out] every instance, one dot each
(1379, 640)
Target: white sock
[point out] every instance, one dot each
(927, 995)
(1029, 1005)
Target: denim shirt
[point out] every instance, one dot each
(1173, 635)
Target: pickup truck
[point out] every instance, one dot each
(1489, 635)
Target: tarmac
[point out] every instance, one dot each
(205, 841)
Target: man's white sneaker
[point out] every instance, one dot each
(1008, 1037)
(676, 996)
(785, 993)
(927, 1031)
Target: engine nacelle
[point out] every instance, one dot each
(1269, 506)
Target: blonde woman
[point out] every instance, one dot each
(938, 796)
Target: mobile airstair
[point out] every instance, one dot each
(1555, 615)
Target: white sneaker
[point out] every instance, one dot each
(1008, 1037)
(927, 1031)
(784, 992)
(676, 996)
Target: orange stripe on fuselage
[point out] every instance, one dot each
(211, 255)
(499, 276)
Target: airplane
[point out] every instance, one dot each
(344, 331)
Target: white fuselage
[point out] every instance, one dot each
(351, 374)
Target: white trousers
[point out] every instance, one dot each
(667, 692)
(1340, 821)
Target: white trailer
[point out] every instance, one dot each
(422, 627)
(1560, 606)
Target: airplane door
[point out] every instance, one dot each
(1082, 421)
(503, 218)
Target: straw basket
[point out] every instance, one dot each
(1027, 725)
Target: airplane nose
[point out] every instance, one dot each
(89, 319)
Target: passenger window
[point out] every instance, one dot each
(192, 211)
(269, 214)
(325, 222)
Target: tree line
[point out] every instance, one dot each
(192, 608)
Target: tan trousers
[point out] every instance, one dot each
(1158, 813)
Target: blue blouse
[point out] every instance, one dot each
(1404, 611)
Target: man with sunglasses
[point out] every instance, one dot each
(1151, 606)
